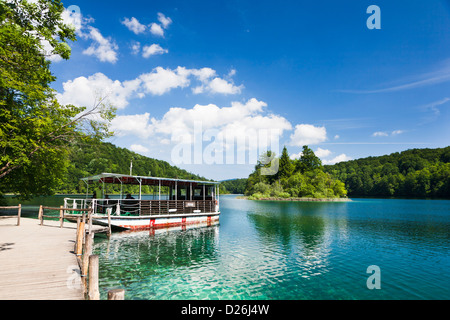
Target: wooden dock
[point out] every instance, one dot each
(38, 262)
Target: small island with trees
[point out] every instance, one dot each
(302, 179)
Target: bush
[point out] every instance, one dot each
(261, 187)
(258, 196)
(284, 195)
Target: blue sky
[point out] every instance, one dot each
(301, 72)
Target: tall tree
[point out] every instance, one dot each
(286, 167)
(308, 160)
(35, 129)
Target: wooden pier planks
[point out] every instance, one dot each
(37, 262)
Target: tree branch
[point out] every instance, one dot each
(4, 171)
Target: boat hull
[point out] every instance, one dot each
(158, 221)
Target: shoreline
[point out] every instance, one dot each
(298, 199)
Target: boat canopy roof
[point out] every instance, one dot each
(116, 178)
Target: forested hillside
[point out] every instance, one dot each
(412, 173)
(90, 159)
(234, 186)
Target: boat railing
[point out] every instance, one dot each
(133, 207)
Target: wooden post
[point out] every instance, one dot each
(80, 233)
(41, 214)
(94, 293)
(109, 221)
(116, 294)
(76, 240)
(18, 214)
(61, 216)
(86, 255)
(90, 214)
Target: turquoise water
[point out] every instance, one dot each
(289, 250)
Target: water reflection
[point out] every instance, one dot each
(138, 258)
(168, 247)
(303, 231)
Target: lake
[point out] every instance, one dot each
(289, 250)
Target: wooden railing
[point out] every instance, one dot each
(159, 207)
(61, 210)
(135, 207)
(85, 215)
(19, 211)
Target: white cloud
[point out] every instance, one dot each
(156, 30)
(386, 134)
(322, 153)
(218, 85)
(103, 48)
(203, 74)
(139, 148)
(165, 21)
(134, 25)
(212, 116)
(72, 16)
(135, 47)
(213, 84)
(380, 134)
(339, 158)
(307, 134)
(137, 125)
(296, 155)
(161, 80)
(231, 73)
(154, 49)
(84, 91)
(433, 107)
(48, 51)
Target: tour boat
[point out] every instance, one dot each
(174, 202)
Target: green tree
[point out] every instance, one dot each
(285, 165)
(35, 130)
(308, 160)
(338, 188)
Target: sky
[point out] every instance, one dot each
(210, 85)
